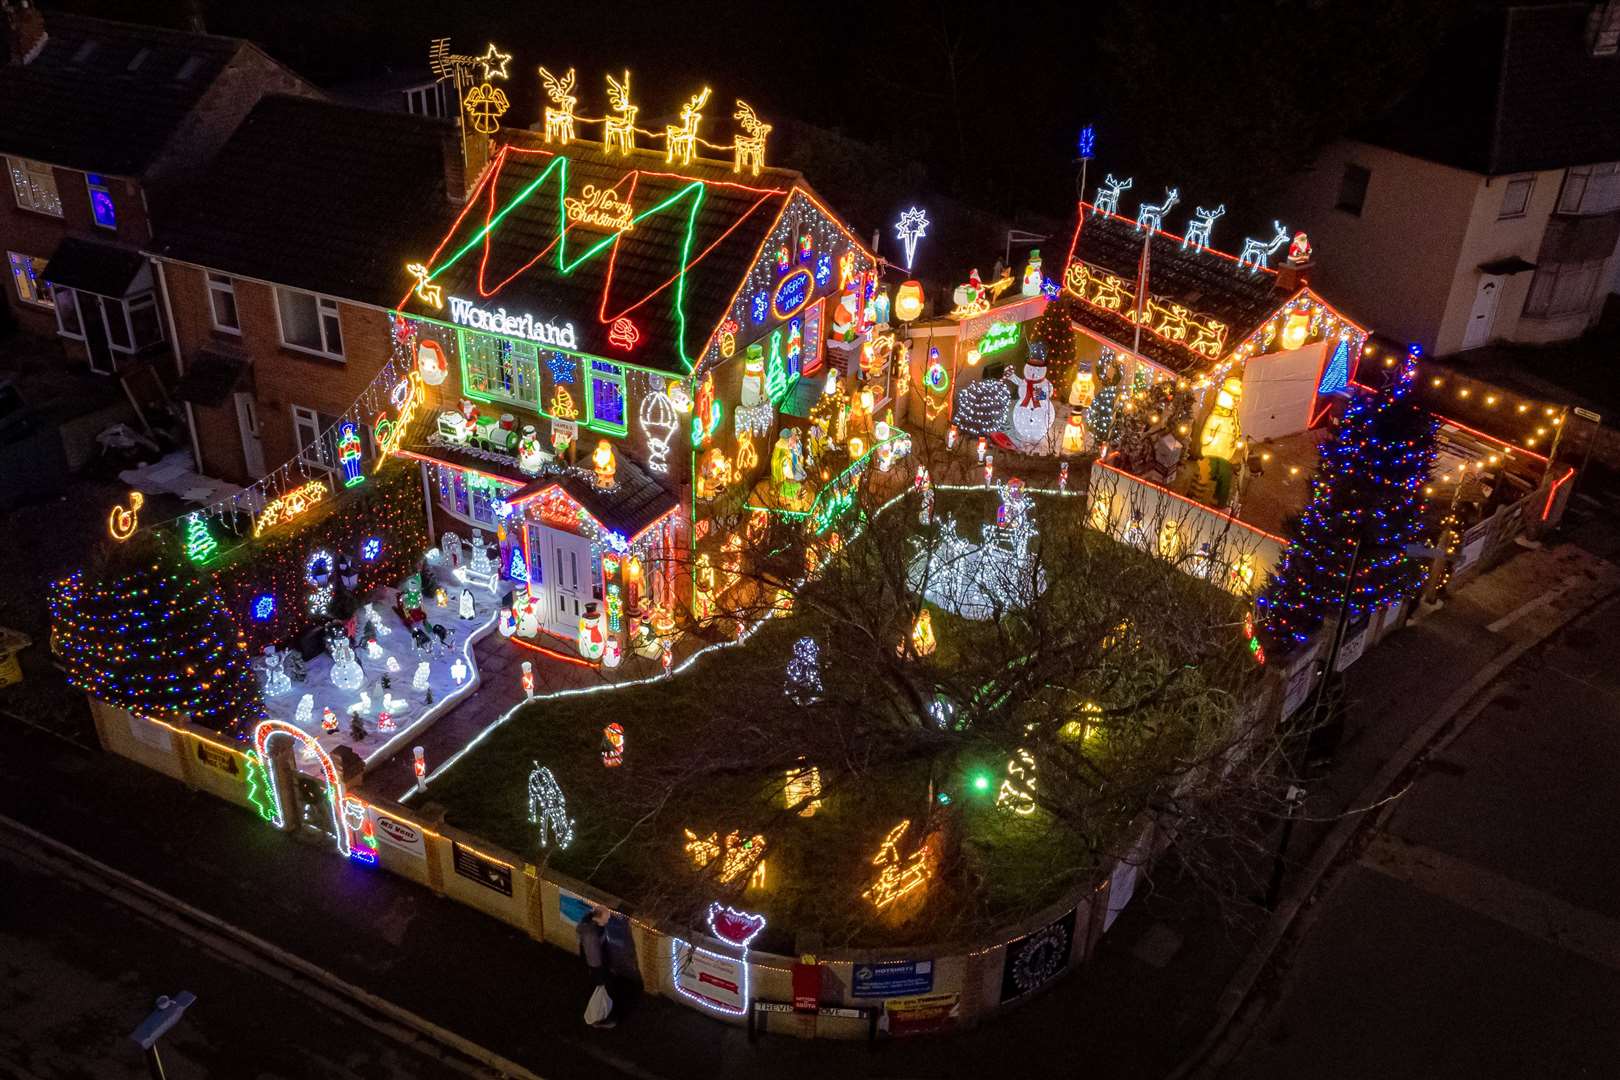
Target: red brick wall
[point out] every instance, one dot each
(279, 377)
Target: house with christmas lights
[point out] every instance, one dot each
(99, 123)
(620, 344)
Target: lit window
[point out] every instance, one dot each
(222, 304)
(501, 368)
(605, 396)
(34, 184)
(309, 323)
(1353, 189)
(28, 274)
(1516, 197)
(101, 202)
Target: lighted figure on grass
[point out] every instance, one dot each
(803, 789)
(899, 876)
(804, 673)
(739, 857)
(548, 809)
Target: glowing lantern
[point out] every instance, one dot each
(908, 301)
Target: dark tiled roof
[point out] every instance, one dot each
(210, 377)
(1514, 90)
(634, 503)
(79, 104)
(1208, 283)
(330, 198)
(106, 269)
(728, 226)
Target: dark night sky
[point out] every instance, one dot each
(977, 104)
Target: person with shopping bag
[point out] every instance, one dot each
(593, 947)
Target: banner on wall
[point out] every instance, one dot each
(1036, 959)
(397, 834)
(489, 874)
(892, 980)
(927, 1014)
(711, 976)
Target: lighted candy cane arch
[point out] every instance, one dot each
(268, 730)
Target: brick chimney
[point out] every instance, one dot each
(455, 167)
(25, 30)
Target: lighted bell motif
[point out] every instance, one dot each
(908, 301)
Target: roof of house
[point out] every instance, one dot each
(330, 198)
(1514, 90)
(696, 232)
(1208, 283)
(106, 96)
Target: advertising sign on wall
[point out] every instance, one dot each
(491, 875)
(398, 834)
(215, 758)
(924, 1015)
(1036, 959)
(893, 980)
(716, 979)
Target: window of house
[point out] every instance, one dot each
(1591, 189)
(69, 320)
(1516, 197)
(101, 202)
(1603, 31)
(1353, 189)
(34, 185)
(1560, 289)
(27, 273)
(605, 396)
(222, 304)
(500, 368)
(309, 323)
(424, 100)
(132, 323)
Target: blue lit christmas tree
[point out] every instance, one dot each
(1368, 484)
(1336, 375)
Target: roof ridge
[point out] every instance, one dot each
(90, 21)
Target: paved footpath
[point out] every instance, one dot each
(1144, 1001)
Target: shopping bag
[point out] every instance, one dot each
(598, 1008)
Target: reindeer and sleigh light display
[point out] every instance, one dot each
(484, 104)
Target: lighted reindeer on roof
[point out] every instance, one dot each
(1149, 216)
(1256, 254)
(619, 132)
(560, 120)
(1108, 194)
(750, 149)
(1198, 232)
(681, 141)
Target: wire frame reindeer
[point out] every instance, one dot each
(560, 120)
(1256, 254)
(750, 149)
(682, 141)
(1149, 216)
(1198, 232)
(1108, 194)
(619, 132)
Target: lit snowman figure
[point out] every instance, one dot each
(1032, 400)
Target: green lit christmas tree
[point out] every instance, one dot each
(145, 633)
(1368, 485)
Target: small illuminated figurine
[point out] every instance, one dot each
(612, 652)
(605, 463)
(1063, 476)
(466, 606)
(440, 597)
(951, 435)
(613, 745)
(528, 679)
(458, 672)
(981, 449)
(590, 633)
(989, 468)
(385, 721)
(329, 720)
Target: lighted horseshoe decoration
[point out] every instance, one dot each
(123, 520)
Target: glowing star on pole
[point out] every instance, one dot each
(494, 62)
(912, 226)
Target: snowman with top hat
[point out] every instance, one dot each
(1032, 400)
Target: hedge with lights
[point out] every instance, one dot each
(144, 631)
(1368, 484)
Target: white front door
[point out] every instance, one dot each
(247, 421)
(1483, 316)
(567, 579)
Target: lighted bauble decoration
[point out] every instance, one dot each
(908, 301)
(431, 362)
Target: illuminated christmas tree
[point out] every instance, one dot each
(1368, 485)
(1053, 329)
(148, 635)
(200, 544)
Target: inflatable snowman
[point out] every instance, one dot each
(1032, 400)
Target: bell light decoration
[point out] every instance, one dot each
(908, 301)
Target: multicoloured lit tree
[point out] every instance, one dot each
(147, 634)
(1368, 488)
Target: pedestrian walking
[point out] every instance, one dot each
(593, 947)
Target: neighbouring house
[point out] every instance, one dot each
(99, 121)
(281, 262)
(1484, 206)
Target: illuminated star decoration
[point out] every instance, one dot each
(562, 367)
(494, 62)
(1088, 143)
(912, 226)
(430, 294)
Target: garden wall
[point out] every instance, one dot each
(916, 991)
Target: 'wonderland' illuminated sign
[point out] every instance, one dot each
(466, 313)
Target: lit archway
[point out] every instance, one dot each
(343, 829)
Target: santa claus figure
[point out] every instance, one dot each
(1032, 400)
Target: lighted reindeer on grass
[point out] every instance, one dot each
(750, 149)
(560, 120)
(682, 141)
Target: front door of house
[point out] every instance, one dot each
(567, 579)
(1483, 316)
(247, 421)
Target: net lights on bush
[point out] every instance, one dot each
(548, 809)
